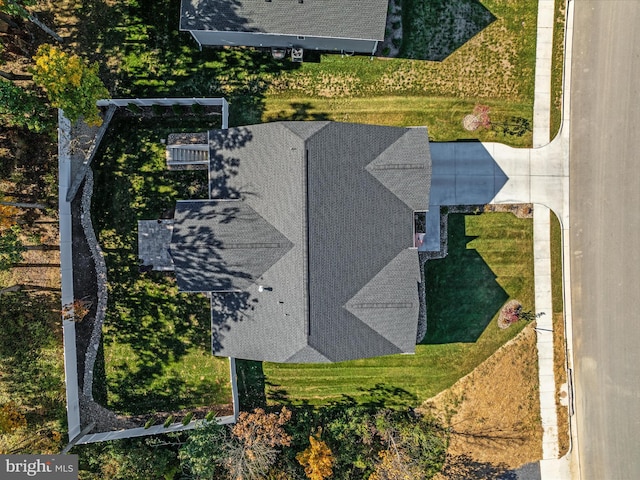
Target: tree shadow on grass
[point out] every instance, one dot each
(148, 320)
(142, 53)
(301, 111)
(31, 367)
(463, 467)
(377, 397)
(462, 293)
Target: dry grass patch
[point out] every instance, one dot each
(560, 373)
(494, 412)
(559, 341)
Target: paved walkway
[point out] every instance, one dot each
(544, 54)
(484, 173)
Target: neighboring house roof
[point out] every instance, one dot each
(315, 245)
(356, 19)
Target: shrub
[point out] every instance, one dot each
(510, 314)
(157, 109)
(133, 108)
(210, 417)
(197, 109)
(168, 421)
(187, 418)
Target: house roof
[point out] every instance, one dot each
(318, 239)
(222, 246)
(319, 18)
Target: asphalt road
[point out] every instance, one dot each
(605, 239)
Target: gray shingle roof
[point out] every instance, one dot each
(222, 246)
(343, 195)
(357, 19)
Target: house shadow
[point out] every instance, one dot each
(432, 30)
(462, 292)
(251, 384)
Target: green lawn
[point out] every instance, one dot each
(141, 53)
(495, 68)
(31, 374)
(489, 261)
(156, 341)
(438, 113)
(556, 264)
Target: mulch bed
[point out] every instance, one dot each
(85, 286)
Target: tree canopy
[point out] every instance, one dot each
(11, 248)
(15, 7)
(22, 108)
(70, 83)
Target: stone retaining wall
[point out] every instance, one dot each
(101, 278)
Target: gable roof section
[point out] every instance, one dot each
(401, 169)
(341, 279)
(316, 18)
(357, 227)
(222, 246)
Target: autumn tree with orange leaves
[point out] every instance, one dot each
(317, 459)
(257, 435)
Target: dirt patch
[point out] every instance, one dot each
(494, 412)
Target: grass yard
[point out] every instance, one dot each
(141, 53)
(557, 65)
(32, 392)
(156, 341)
(559, 339)
(495, 67)
(489, 261)
(438, 113)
